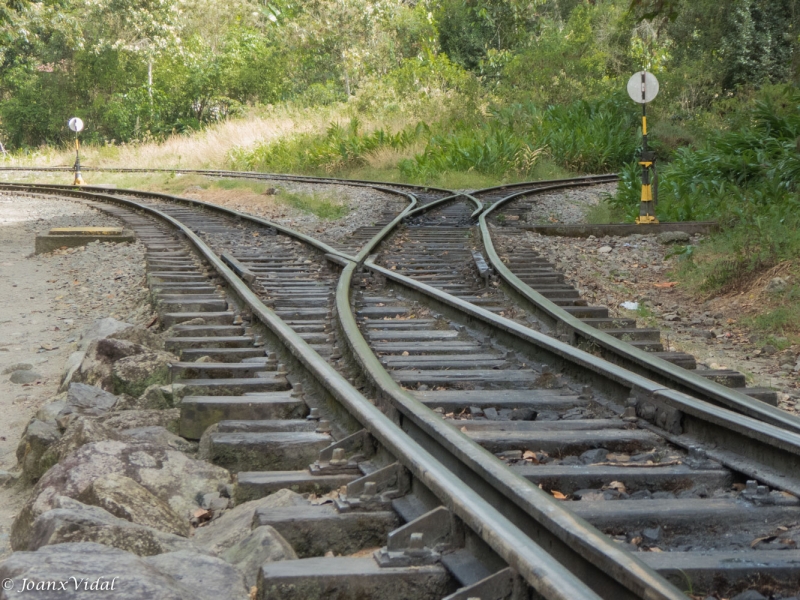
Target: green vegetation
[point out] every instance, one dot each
(454, 93)
(320, 205)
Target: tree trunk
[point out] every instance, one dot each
(150, 84)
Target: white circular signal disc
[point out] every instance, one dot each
(75, 124)
(643, 91)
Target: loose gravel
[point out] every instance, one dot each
(366, 206)
(611, 270)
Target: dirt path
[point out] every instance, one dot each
(45, 303)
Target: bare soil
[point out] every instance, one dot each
(45, 303)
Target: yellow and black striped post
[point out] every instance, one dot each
(647, 210)
(78, 179)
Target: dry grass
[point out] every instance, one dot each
(206, 149)
(386, 158)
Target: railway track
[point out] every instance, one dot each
(659, 491)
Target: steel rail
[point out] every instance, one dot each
(588, 553)
(632, 358)
(380, 185)
(545, 574)
(319, 245)
(750, 440)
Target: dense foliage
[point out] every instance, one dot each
(137, 69)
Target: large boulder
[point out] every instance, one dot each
(134, 374)
(124, 498)
(260, 546)
(140, 335)
(101, 328)
(204, 576)
(96, 367)
(102, 343)
(159, 435)
(88, 400)
(233, 538)
(168, 474)
(80, 431)
(73, 522)
(131, 419)
(236, 524)
(37, 438)
(178, 576)
(160, 396)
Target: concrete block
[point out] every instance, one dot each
(198, 413)
(350, 579)
(266, 451)
(62, 237)
(252, 485)
(313, 531)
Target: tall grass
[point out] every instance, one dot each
(595, 137)
(520, 141)
(341, 147)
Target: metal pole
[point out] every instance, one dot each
(78, 178)
(647, 212)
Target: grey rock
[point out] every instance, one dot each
(523, 414)
(651, 534)
(88, 400)
(749, 595)
(588, 495)
(168, 474)
(96, 367)
(134, 374)
(153, 397)
(133, 578)
(214, 501)
(604, 250)
(141, 336)
(776, 285)
(703, 333)
(80, 431)
(673, 237)
(130, 419)
(206, 577)
(37, 438)
(124, 498)
(17, 367)
(156, 434)
(49, 412)
(70, 368)
(73, 522)
(236, 524)
(262, 545)
(641, 495)
(100, 329)
(594, 456)
(26, 376)
(769, 350)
